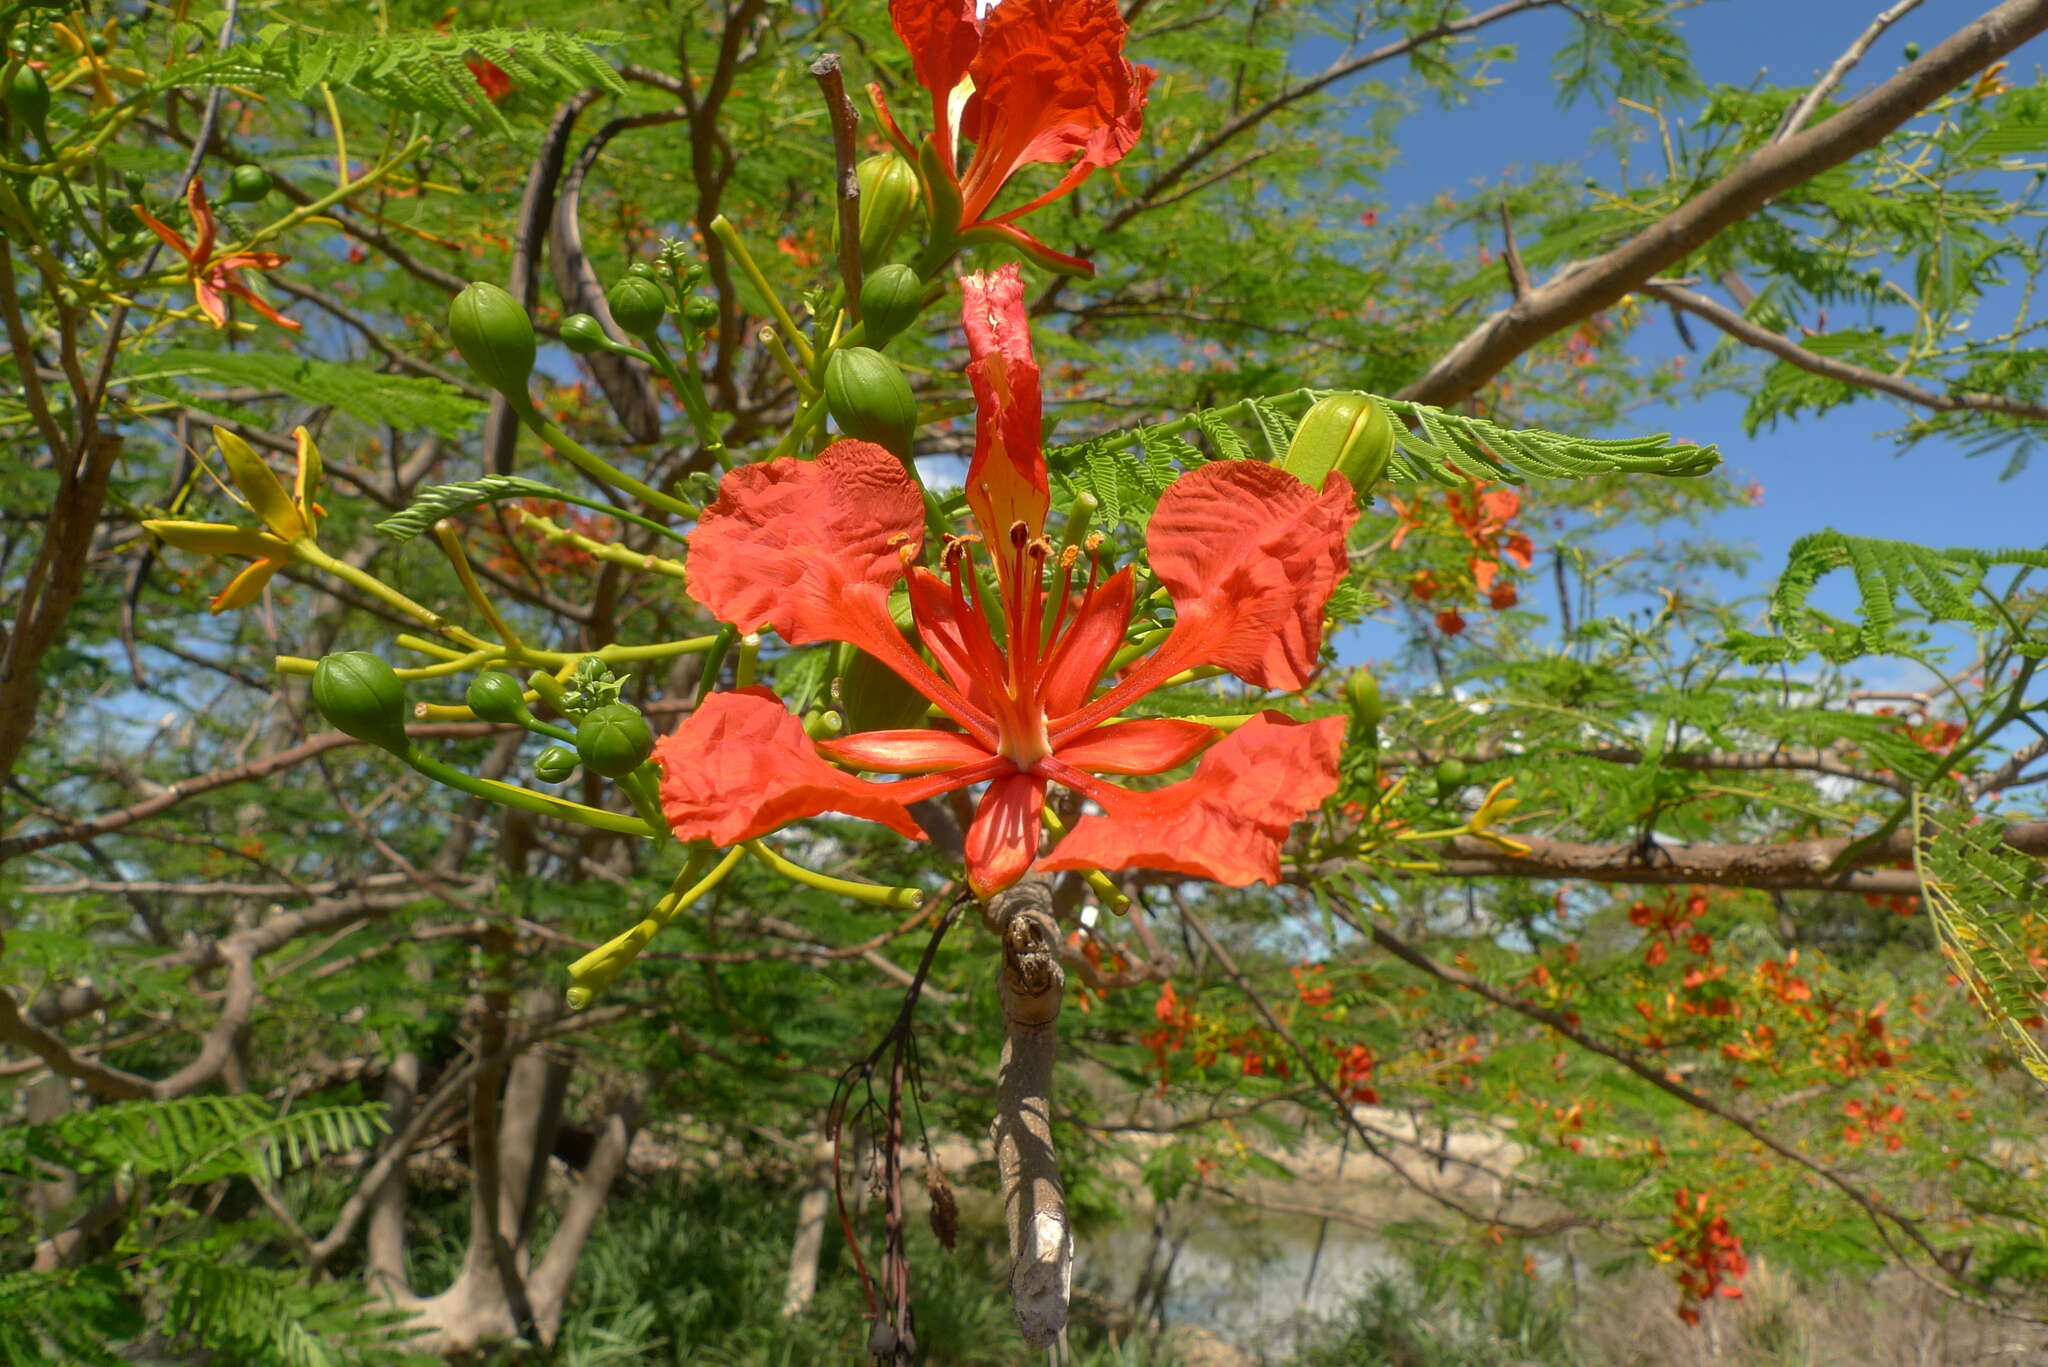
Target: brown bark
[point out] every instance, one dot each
(1031, 985)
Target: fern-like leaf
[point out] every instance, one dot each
(1987, 903)
(421, 72)
(447, 500)
(1943, 584)
(1430, 445)
(402, 401)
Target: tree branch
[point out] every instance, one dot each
(1031, 986)
(1767, 173)
(1833, 368)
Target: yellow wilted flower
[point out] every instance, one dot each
(1491, 811)
(289, 519)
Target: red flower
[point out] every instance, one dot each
(214, 277)
(1248, 553)
(490, 78)
(1043, 82)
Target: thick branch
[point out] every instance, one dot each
(1031, 986)
(1797, 864)
(1761, 177)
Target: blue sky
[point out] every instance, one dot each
(1817, 472)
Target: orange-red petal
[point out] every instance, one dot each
(786, 540)
(1003, 839)
(1227, 822)
(1146, 745)
(905, 752)
(1006, 481)
(1050, 85)
(1251, 555)
(1087, 645)
(740, 766)
(942, 37)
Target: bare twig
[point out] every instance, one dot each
(846, 182)
(1799, 113)
(1834, 368)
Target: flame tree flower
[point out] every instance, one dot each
(289, 519)
(1248, 553)
(215, 277)
(1030, 82)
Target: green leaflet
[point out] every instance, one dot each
(1122, 467)
(1942, 583)
(191, 1140)
(446, 500)
(1981, 895)
(414, 73)
(403, 401)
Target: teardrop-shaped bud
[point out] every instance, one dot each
(556, 764)
(638, 305)
(496, 696)
(583, 334)
(1362, 697)
(875, 698)
(360, 695)
(27, 96)
(494, 336)
(247, 184)
(888, 198)
(1348, 433)
(868, 397)
(891, 297)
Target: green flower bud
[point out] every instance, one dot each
(638, 305)
(614, 740)
(27, 97)
(134, 184)
(496, 696)
(700, 311)
(875, 698)
(1911, 52)
(1362, 696)
(556, 764)
(248, 184)
(870, 400)
(583, 334)
(495, 336)
(1347, 433)
(1451, 775)
(890, 299)
(361, 696)
(889, 195)
(643, 270)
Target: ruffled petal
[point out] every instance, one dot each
(1227, 822)
(1147, 745)
(942, 38)
(740, 766)
(1050, 85)
(786, 540)
(1251, 555)
(1006, 481)
(1004, 837)
(905, 752)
